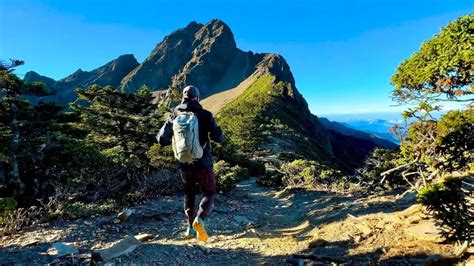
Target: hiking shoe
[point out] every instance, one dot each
(190, 233)
(199, 227)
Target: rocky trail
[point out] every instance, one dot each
(251, 225)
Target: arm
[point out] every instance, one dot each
(166, 132)
(215, 131)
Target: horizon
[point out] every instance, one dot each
(340, 68)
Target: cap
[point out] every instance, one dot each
(190, 92)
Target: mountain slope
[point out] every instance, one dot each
(347, 131)
(109, 74)
(267, 115)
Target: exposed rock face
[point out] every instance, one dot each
(109, 74)
(205, 56)
(242, 88)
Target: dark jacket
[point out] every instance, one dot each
(208, 129)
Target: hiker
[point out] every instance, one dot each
(189, 130)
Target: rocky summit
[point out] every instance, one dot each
(203, 55)
(253, 95)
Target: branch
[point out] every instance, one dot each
(398, 167)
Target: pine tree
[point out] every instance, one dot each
(15, 112)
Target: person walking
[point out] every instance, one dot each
(189, 129)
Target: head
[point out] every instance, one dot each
(190, 93)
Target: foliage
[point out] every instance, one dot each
(80, 209)
(440, 71)
(228, 176)
(443, 67)
(271, 178)
(119, 124)
(14, 121)
(308, 173)
(7, 205)
(265, 117)
(374, 171)
(441, 146)
(302, 173)
(161, 157)
(450, 202)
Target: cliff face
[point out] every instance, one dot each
(205, 56)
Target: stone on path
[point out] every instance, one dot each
(61, 248)
(144, 237)
(124, 246)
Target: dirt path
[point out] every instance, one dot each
(250, 225)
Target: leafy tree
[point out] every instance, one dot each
(442, 69)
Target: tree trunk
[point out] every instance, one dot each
(15, 180)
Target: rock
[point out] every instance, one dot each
(364, 228)
(62, 248)
(124, 246)
(426, 231)
(144, 237)
(30, 242)
(125, 214)
(407, 196)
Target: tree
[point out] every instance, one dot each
(433, 150)
(123, 126)
(16, 108)
(441, 70)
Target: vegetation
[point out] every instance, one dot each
(434, 149)
(266, 118)
(305, 173)
(441, 70)
(228, 176)
(450, 202)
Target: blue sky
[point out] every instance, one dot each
(342, 53)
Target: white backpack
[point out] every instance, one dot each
(185, 140)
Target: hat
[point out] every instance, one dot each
(189, 92)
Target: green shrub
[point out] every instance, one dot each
(7, 205)
(379, 161)
(309, 173)
(80, 209)
(228, 176)
(449, 203)
(271, 178)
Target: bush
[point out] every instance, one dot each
(227, 177)
(80, 209)
(271, 178)
(7, 205)
(309, 173)
(301, 173)
(379, 161)
(449, 203)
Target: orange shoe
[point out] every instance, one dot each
(200, 228)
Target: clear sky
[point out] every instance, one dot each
(342, 53)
